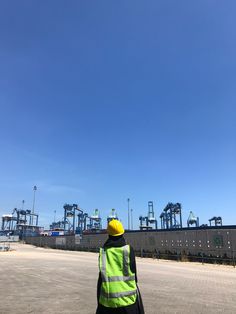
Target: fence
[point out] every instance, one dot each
(13, 238)
(69, 243)
(5, 242)
(201, 257)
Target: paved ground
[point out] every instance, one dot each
(45, 281)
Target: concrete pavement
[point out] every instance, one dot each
(46, 281)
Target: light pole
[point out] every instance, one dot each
(131, 210)
(128, 213)
(34, 189)
(55, 216)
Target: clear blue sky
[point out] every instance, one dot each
(107, 100)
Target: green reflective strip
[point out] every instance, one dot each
(118, 278)
(118, 294)
(126, 260)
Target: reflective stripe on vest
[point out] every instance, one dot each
(118, 294)
(119, 289)
(117, 278)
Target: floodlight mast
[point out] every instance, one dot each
(128, 214)
(34, 189)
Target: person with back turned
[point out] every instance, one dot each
(117, 290)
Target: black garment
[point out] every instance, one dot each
(137, 307)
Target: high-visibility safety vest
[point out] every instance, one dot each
(118, 281)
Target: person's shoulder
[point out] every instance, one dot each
(127, 243)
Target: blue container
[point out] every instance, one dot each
(55, 233)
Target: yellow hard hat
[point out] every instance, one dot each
(115, 228)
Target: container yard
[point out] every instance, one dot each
(78, 230)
